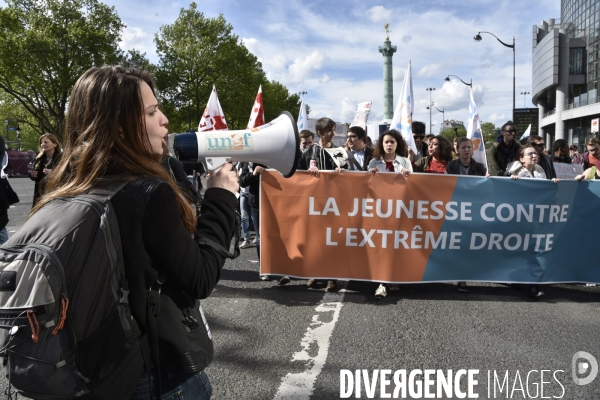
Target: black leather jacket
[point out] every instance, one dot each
(155, 242)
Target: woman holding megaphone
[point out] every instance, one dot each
(114, 136)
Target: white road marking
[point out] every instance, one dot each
(300, 386)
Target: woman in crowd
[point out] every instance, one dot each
(390, 155)
(116, 132)
(526, 167)
(440, 154)
(465, 165)
(44, 163)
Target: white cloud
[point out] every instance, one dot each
(136, 38)
(379, 14)
(337, 61)
(302, 67)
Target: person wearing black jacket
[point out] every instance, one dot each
(115, 131)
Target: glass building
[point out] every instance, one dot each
(566, 72)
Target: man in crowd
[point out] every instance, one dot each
(316, 158)
(560, 151)
(359, 154)
(306, 139)
(418, 131)
(591, 157)
(539, 144)
(503, 151)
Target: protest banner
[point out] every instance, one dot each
(426, 228)
(362, 114)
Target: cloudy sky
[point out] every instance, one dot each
(329, 48)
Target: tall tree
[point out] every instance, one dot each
(135, 59)
(45, 45)
(277, 99)
(450, 133)
(188, 64)
(489, 133)
(196, 52)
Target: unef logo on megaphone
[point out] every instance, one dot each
(237, 141)
(276, 145)
(584, 368)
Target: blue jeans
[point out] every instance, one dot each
(255, 222)
(3, 236)
(196, 388)
(245, 212)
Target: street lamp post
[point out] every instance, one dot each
(442, 111)
(524, 97)
(430, 89)
(478, 38)
(468, 84)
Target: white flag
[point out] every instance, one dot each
(213, 118)
(526, 133)
(474, 133)
(402, 120)
(302, 120)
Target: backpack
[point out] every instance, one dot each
(65, 322)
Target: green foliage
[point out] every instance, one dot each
(489, 133)
(135, 59)
(277, 98)
(196, 52)
(450, 134)
(45, 46)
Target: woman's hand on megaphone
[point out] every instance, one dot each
(226, 177)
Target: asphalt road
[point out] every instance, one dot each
(292, 342)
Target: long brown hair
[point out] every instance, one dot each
(105, 131)
(42, 154)
(401, 148)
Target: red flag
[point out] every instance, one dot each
(257, 116)
(213, 118)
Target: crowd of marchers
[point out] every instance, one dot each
(507, 156)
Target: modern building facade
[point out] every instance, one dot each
(565, 72)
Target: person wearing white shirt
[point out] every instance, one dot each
(389, 156)
(359, 154)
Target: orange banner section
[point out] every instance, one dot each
(354, 225)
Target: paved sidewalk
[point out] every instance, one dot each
(17, 214)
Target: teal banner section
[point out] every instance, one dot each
(529, 231)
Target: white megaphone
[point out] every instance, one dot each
(276, 145)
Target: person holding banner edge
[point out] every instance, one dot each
(465, 165)
(526, 167)
(389, 156)
(323, 156)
